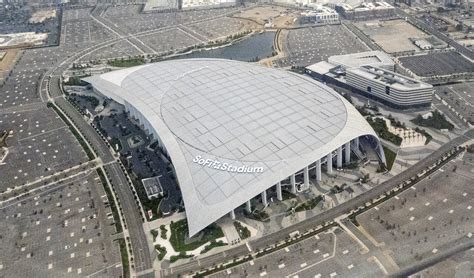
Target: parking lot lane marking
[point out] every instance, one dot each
(263, 273)
(303, 265)
(281, 266)
(350, 266)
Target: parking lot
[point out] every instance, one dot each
(307, 46)
(79, 29)
(169, 40)
(432, 64)
(38, 146)
(129, 21)
(427, 218)
(221, 27)
(461, 97)
(328, 254)
(63, 231)
(21, 83)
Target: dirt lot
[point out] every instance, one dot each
(393, 36)
(281, 17)
(7, 62)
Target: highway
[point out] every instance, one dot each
(323, 217)
(428, 28)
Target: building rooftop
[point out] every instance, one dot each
(389, 78)
(233, 129)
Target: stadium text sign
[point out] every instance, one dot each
(224, 166)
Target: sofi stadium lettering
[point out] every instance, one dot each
(224, 166)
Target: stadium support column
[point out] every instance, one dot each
(279, 195)
(306, 177)
(293, 183)
(339, 157)
(232, 214)
(318, 170)
(356, 144)
(264, 198)
(249, 206)
(329, 163)
(347, 152)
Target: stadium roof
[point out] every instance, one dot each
(263, 124)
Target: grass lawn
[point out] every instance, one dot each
(126, 63)
(389, 157)
(242, 230)
(161, 251)
(382, 131)
(179, 235)
(124, 255)
(437, 120)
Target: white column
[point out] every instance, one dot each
(347, 152)
(306, 177)
(264, 198)
(293, 184)
(318, 170)
(356, 143)
(278, 188)
(329, 163)
(249, 206)
(232, 214)
(339, 157)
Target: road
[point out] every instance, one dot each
(323, 217)
(428, 28)
(142, 255)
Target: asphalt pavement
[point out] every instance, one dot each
(326, 216)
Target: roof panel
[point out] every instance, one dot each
(238, 113)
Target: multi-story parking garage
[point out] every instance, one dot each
(232, 130)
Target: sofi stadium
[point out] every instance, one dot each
(234, 130)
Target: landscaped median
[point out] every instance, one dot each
(172, 242)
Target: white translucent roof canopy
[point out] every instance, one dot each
(232, 129)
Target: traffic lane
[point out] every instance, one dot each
(141, 253)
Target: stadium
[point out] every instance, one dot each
(234, 130)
